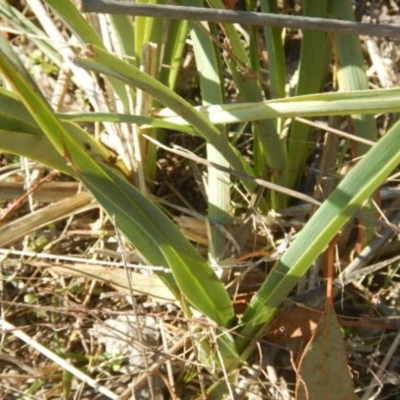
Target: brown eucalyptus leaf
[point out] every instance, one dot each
(323, 369)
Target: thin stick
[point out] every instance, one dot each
(239, 17)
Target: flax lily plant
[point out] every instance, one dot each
(137, 95)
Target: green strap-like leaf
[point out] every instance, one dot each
(334, 103)
(157, 239)
(102, 62)
(312, 74)
(351, 193)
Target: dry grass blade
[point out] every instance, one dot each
(140, 284)
(47, 193)
(18, 228)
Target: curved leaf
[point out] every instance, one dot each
(157, 239)
(337, 209)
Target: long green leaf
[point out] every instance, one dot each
(75, 21)
(100, 61)
(269, 148)
(35, 147)
(340, 206)
(19, 21)
(157, 239)
(334, 103)
(351, 71)
(14, 116)
(173, 53)
(351, 75)
(312, 73)
(85, 33)
(21, 135)
(218, 183)
(276, 55)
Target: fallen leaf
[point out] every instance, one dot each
(323, 369)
